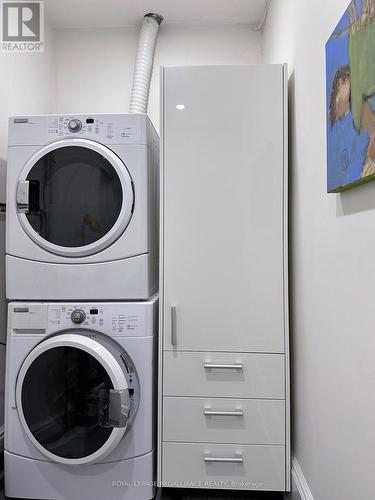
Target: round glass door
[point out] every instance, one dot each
(63, 399)
(79, 197)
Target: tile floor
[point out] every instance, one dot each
(169, 494)
(216, 495)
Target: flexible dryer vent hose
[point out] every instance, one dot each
(144, 63)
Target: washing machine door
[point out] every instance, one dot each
(75, 197)
(73, 399)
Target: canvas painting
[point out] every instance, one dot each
(350, 73)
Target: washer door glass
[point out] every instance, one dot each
(75, 196)
(64, 398)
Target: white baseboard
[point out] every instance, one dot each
(300, 488)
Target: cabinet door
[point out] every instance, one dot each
(223, 133)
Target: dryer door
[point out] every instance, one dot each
(75, 197)
(73, 399)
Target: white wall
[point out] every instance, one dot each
(95, 67)
(333, 273)
(27, 85)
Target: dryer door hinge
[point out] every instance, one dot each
(22, 198)
(118, 408)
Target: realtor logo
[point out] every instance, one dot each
(22, 26)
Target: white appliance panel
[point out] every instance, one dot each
(223, 208)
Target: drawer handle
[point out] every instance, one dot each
(173, 326)
(229, 460)
(219, 366)
(223, 413)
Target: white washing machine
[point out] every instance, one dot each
(82, 207)
(79, 402)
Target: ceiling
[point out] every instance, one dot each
(112, 13)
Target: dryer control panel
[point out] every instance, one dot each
(103, 128)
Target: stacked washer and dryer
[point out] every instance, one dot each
(82, 278)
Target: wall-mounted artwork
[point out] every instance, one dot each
(350, 68)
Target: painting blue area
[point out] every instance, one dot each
(346, 148)
(337, 52)
(358, 6)
(346, 153)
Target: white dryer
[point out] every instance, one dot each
(79, 403)
(82, 207)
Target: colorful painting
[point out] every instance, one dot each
(350, 66)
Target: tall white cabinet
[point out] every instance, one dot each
(224, 359)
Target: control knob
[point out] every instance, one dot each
(75, 125)
(78, 316)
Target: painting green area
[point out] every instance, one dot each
(362, 68)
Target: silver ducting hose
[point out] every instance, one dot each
(144, 63)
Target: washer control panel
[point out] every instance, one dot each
(113, 319)
(127, 319)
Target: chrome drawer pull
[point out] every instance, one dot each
(223, 413)
(218, 366)
(229, 460)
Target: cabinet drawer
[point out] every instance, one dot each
(247, 421)
(224, 375)
(224, 466)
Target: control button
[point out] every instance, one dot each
(75, 125)
(78, 316)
